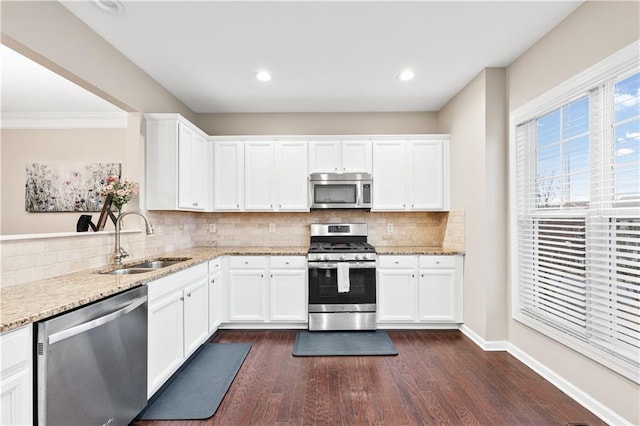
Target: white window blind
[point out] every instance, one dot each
(578, 221)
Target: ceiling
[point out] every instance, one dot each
(324, 56)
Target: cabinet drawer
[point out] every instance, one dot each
(164, 285)
(288, 262)
(437, 261)
(215, 266)
(397, 262)
(244, 262)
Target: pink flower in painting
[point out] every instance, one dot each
(112, 178)
(120, 192)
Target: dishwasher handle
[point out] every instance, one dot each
(86, 326)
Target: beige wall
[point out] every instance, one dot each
(594, 31)
(20, 147)
(334, 123)
(476, 121)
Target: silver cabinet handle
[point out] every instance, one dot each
(81, 328)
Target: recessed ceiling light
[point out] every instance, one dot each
(263, 76)
(406, 75)
(113, 7)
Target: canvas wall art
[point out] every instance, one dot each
(66, 187)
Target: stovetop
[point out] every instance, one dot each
(341, 247)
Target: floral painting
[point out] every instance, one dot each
(67, 187)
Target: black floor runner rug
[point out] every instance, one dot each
(197, 389)
(343, 343)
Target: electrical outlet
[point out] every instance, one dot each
(272, 227)
(212, 227)
(389, 228)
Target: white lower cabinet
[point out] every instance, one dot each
(267, 289)
(420, 290)
(247, 290)
(16, 377)
(288, 289)
(177, 322)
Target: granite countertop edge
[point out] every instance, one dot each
(23, 304)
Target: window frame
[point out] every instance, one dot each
(626, 61)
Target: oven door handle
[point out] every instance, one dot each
(334, 265)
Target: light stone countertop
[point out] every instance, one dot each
(24, 304)
(415, 250)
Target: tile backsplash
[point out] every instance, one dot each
(27, 260)
(292, 229)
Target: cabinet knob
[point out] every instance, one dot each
(413, 276)
(182, 299)
(271, 275)
(195, 204)
(213, 281)
(397, 262)
(261, 275)
(188, 294)
(238, 206)
(437, 262)
(286, 263)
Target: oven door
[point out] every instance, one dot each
(323, 284)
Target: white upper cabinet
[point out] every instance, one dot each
(259, 175)
(276, 176)
(340, 156)
(411, 175)
(178, 165)
(292, 176)
(228, 175)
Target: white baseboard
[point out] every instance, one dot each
(489, 346)
(591, 404)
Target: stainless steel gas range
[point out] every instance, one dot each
(342, 278)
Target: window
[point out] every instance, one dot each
(577, 190)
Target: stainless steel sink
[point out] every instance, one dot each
(146, 266)
(127, 271)
(156, 264)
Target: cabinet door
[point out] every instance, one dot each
(356, 157)
(438, 297)
(396, 295)
(214, 301)
(292, 176)
(259, 175)
(246, 295)
(196, 315)
(186, 191)
(324, 156)
(165, 340)
(389, 173)
(426, 178)
(16, 395)
(229, 175)
(288, 295)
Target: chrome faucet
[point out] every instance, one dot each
(118, 252)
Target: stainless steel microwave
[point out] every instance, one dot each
(340, 190)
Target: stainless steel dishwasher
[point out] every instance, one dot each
(91, 363)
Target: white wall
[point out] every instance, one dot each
(591, 33)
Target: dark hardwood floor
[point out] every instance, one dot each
(439, 377)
